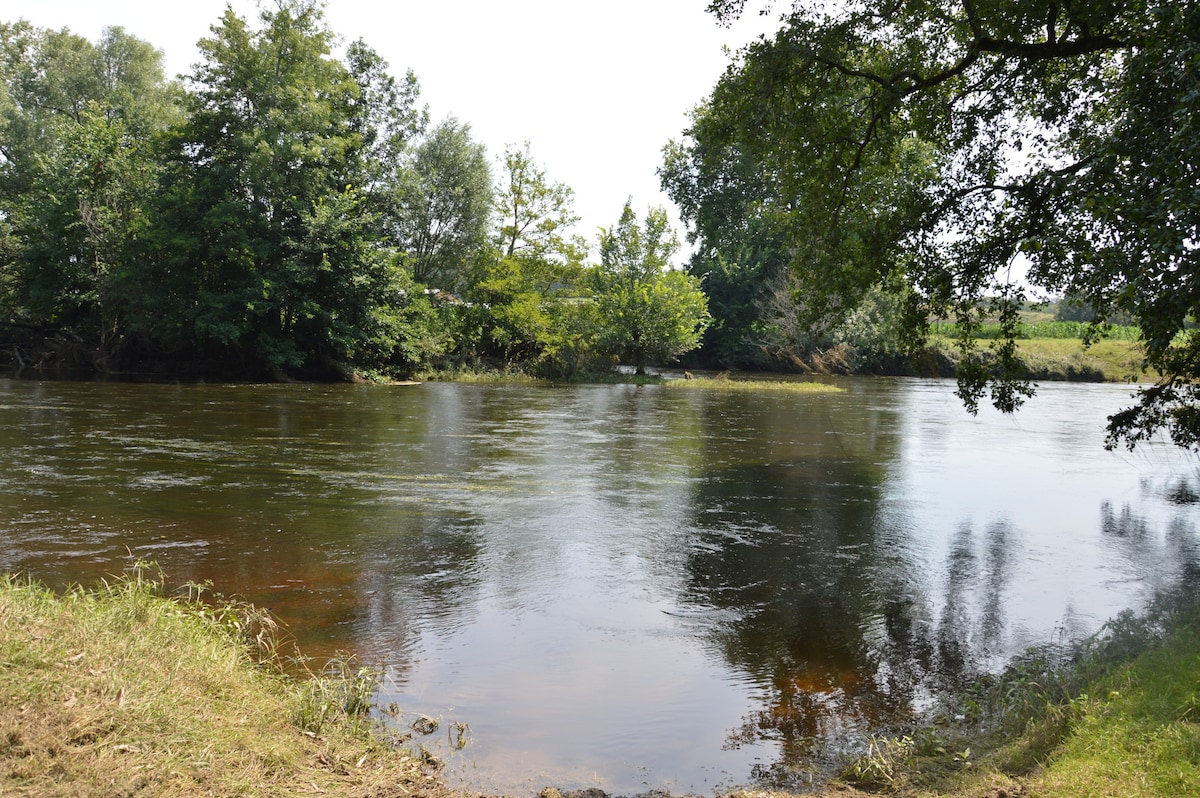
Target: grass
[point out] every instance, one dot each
(725, 383)
(1107, 360)
(1120, 718)
(720, 382)
(475, 375)
(123, 691)
(1041, 329)
(1135, 732)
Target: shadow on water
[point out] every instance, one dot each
(785, 549)
(827, 615)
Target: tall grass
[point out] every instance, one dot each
(123, 690)
(1047, 329)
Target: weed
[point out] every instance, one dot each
(459, 734)
(424, 725)
(341, 692)
(882, 763)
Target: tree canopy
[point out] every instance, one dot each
(445, 204)
(285, 211)
(266, 223)
(972, 150)
(654, 313)
(535, 272)
(77, 125)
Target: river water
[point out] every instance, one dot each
(615, 586)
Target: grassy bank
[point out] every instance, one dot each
(122, 691)
(1109, 360)
(1061, 359)
(744, 384)
(1121, 718)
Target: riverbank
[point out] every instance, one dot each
(1043, 359)
(120, 690)
(1119, 716)
(1120, 358)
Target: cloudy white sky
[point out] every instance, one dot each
(597, 87)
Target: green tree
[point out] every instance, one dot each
(445, 206)
(954, 143)
(651, 313)
(535, 214)
(269, 245)
(384, 113)
(78, 122)
(738, 252)
(537, 266)
(727, 193)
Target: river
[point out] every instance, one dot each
(615, 586)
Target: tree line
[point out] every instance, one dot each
(864, 170)
(287, 211)
(949, 159)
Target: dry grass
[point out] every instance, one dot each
(120, 691)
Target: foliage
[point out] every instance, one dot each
(1115, 717)
(523, 310)
(444, 205)
(763, 316)
(652, 313)
(740, 251)
(574, 343)
(1111, 715)
(341, 693)
(871, 331)
(385, 115)
(879, 765)
(945, 143)
(424, 333)
(535, 214)
(1074, 330)
(250, 221)
(268, 223)
(77, 168)
(528, 286)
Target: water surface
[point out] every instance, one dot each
(615, 586)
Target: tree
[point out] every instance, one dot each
(738, 251)
(384, 113)
(650, 312)
(950, 144)
(535, 214)
(78, 123)
(445, 205)
(537, 265)
(269, 245)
